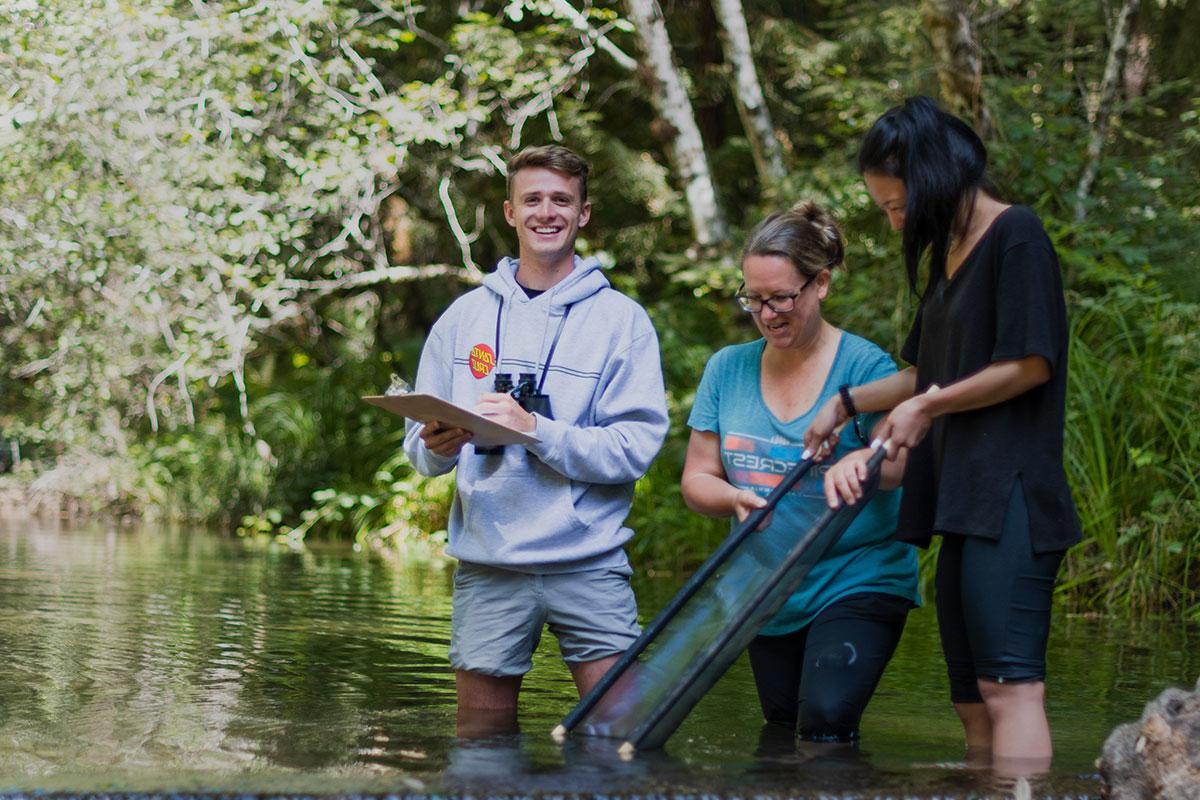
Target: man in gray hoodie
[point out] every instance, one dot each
(538, 529)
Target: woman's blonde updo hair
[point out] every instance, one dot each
(805, 235)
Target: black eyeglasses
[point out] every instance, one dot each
(779, 303)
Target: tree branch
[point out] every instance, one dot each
(464, 241)
(1104, 108)
(580, 22)
(358, 280)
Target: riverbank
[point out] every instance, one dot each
(21, 501)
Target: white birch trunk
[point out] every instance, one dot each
(959, 68)
(1104, 107)
(748, 94)
(670, 99)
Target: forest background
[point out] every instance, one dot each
(221, 223)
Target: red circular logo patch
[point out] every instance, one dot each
(482, 360)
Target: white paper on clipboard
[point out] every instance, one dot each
(426, 407)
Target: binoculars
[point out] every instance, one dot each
(527, 396)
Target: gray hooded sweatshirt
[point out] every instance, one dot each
(559, 505)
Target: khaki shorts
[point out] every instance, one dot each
(498, 616)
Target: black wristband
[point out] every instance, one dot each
(847, 400)
(858, 431)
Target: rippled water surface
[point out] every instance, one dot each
(165, 660)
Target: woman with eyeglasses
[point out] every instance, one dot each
(816, 663)
(985, 451)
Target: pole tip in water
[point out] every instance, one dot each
(626, 751)
(559, 734)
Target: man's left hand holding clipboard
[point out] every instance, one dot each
(442, 440)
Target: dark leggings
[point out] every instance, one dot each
(993, 605)
(820, 678)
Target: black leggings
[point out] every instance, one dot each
(993, 605)
(820, 678)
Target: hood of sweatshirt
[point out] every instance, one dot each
(526, 328)
(584, 281)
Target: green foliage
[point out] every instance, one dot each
(1133, 450)
(207, 475)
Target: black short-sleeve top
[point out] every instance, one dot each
(1004, 302)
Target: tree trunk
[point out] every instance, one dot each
(959, 67)
(684, 145)
(748, 94)
(1104, 106)
(708, 70)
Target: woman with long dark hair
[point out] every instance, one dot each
(985, 449)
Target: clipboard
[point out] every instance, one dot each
(426, 407)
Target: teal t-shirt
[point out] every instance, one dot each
(757, 449)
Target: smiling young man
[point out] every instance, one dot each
(539, 530)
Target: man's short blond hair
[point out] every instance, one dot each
(550, 156)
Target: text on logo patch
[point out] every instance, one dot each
(482, 360)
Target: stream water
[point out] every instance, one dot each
(178, 661)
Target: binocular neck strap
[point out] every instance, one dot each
(499, 313)
(553, 344)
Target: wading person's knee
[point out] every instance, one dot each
(1001, 697)
(828, 718)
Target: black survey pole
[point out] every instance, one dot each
(794, 555)
(719, 556)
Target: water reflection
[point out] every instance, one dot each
(588, 766)
(157, 659)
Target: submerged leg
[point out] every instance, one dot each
(956, 647)
(1007, 598)
(776, 662)
(487, 704)
(849, 645)
(1020, 730)
(977, 725)
(496, 624)
(593, 614)
(588, 673)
